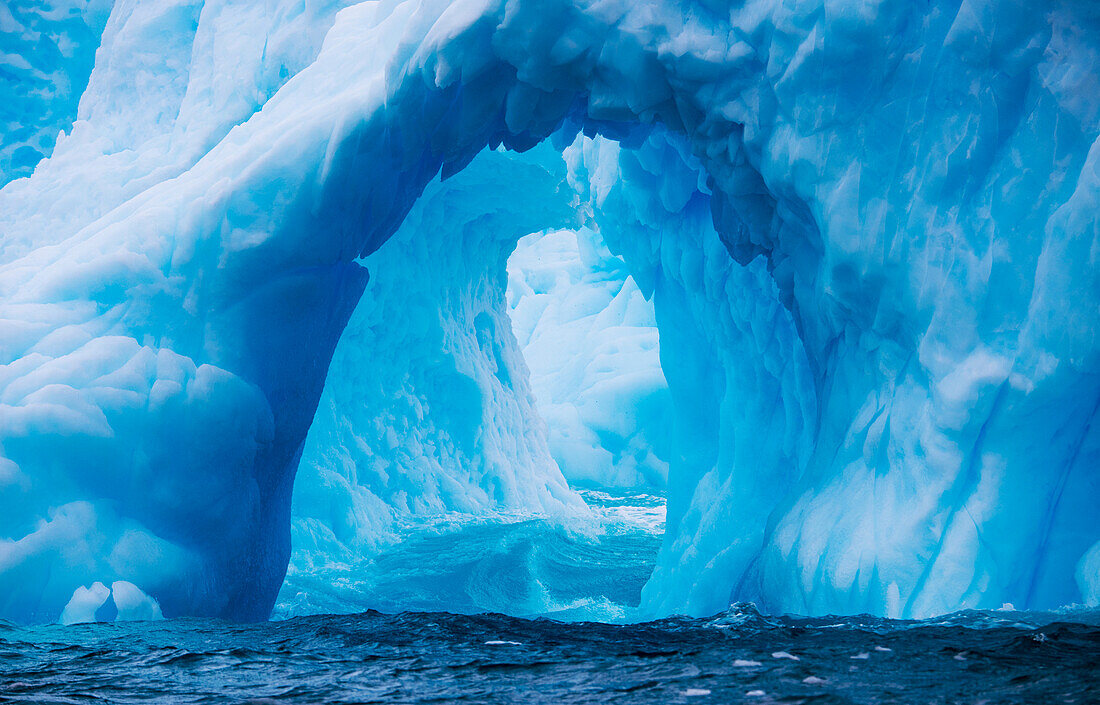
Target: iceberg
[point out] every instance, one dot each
(254, 285)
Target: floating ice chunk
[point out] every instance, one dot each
(813, 680)
(133, 604)
(861, 655)
(755, 693)
(745, 663)
(694, 692)
(497, 642)
(84, 604)
(883, 649)
(784, 654)
(123, 601)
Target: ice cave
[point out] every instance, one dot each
(311, 273)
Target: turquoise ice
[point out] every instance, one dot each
(868, 231)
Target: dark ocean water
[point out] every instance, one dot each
(738, 656)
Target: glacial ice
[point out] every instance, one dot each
(47, 50)
(122, 602)
(406, 447)
(590, 340)
(868, 230)
(427, 409)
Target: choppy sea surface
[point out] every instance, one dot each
(419, 657)
(436, 639)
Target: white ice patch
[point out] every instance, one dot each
(121, 602)
(133, 604)
(84, 604)
(1088, 576)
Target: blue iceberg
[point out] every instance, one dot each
(827, 273)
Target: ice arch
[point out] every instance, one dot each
(427, 433)
(174, 279)
(427, 408)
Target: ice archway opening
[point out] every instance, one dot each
(903, 356)
(428, 413)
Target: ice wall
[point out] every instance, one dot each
(130, 441)
(590, 340)
(910, 191)
(426, 412)
(744, 404)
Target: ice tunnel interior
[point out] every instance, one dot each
(475, 417)
(880, 400)
(432, 415)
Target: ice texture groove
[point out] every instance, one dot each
(869, 231)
